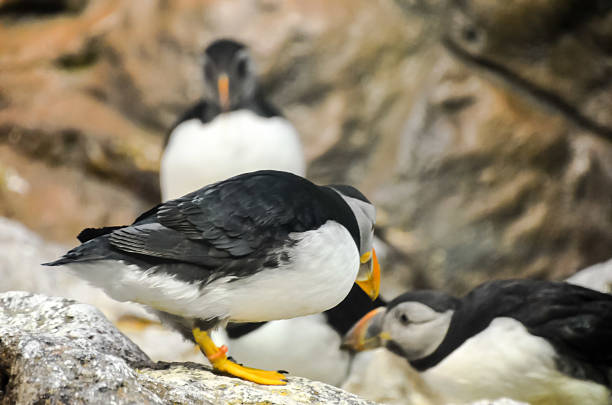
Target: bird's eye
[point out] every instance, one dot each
(404, 319)
(209, 72)
(241, 68)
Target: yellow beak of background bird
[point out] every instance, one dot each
(369, 274)
(223, 87)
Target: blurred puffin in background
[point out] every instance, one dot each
(232, 130)
(256, 247)
(535, 341)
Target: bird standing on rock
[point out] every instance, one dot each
(232, 130)
(534, 341)
(256, 247)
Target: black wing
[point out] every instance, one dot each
(577, 321)
(245, 216)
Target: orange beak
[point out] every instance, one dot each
(366, 333)
(223, 87)
(371, 283)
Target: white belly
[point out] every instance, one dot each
(304, 346)
(324, 265)
(506, 361)
(323, 268)
(233, 143)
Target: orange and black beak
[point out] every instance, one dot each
(223, 89)
(369, 274)
(367, 333)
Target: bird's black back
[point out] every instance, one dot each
(230, 228)
(576, 321)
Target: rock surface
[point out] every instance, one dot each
(54, 350)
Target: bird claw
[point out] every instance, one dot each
(218, 358)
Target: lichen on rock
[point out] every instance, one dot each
(55, 350)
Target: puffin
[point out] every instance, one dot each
(307, 346)
(233, 129)
(259, 246)
(540, 342)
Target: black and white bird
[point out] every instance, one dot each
(232, 130)
(307, 346)
(534, 341)
(256, 247)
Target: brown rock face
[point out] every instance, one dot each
(480, 128)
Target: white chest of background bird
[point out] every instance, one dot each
(234, 142)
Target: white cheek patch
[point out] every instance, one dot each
(366, 218)
(418, 313)
(424, 331)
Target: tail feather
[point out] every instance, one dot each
(93, 249)
(92, 233)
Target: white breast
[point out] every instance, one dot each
(506, 361)
(237, 142)
(306, 346)
(322, 269)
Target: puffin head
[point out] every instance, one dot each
(229, 74)
(364, 211)
(412, 325)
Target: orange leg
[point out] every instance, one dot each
(218, 358)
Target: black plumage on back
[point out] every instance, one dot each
(229, 227)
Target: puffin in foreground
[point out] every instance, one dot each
(256, 247)
(232, 130)
(534, 341)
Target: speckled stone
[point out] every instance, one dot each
(55, 350)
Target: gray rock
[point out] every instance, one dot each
(60, 351)
(54, 350)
